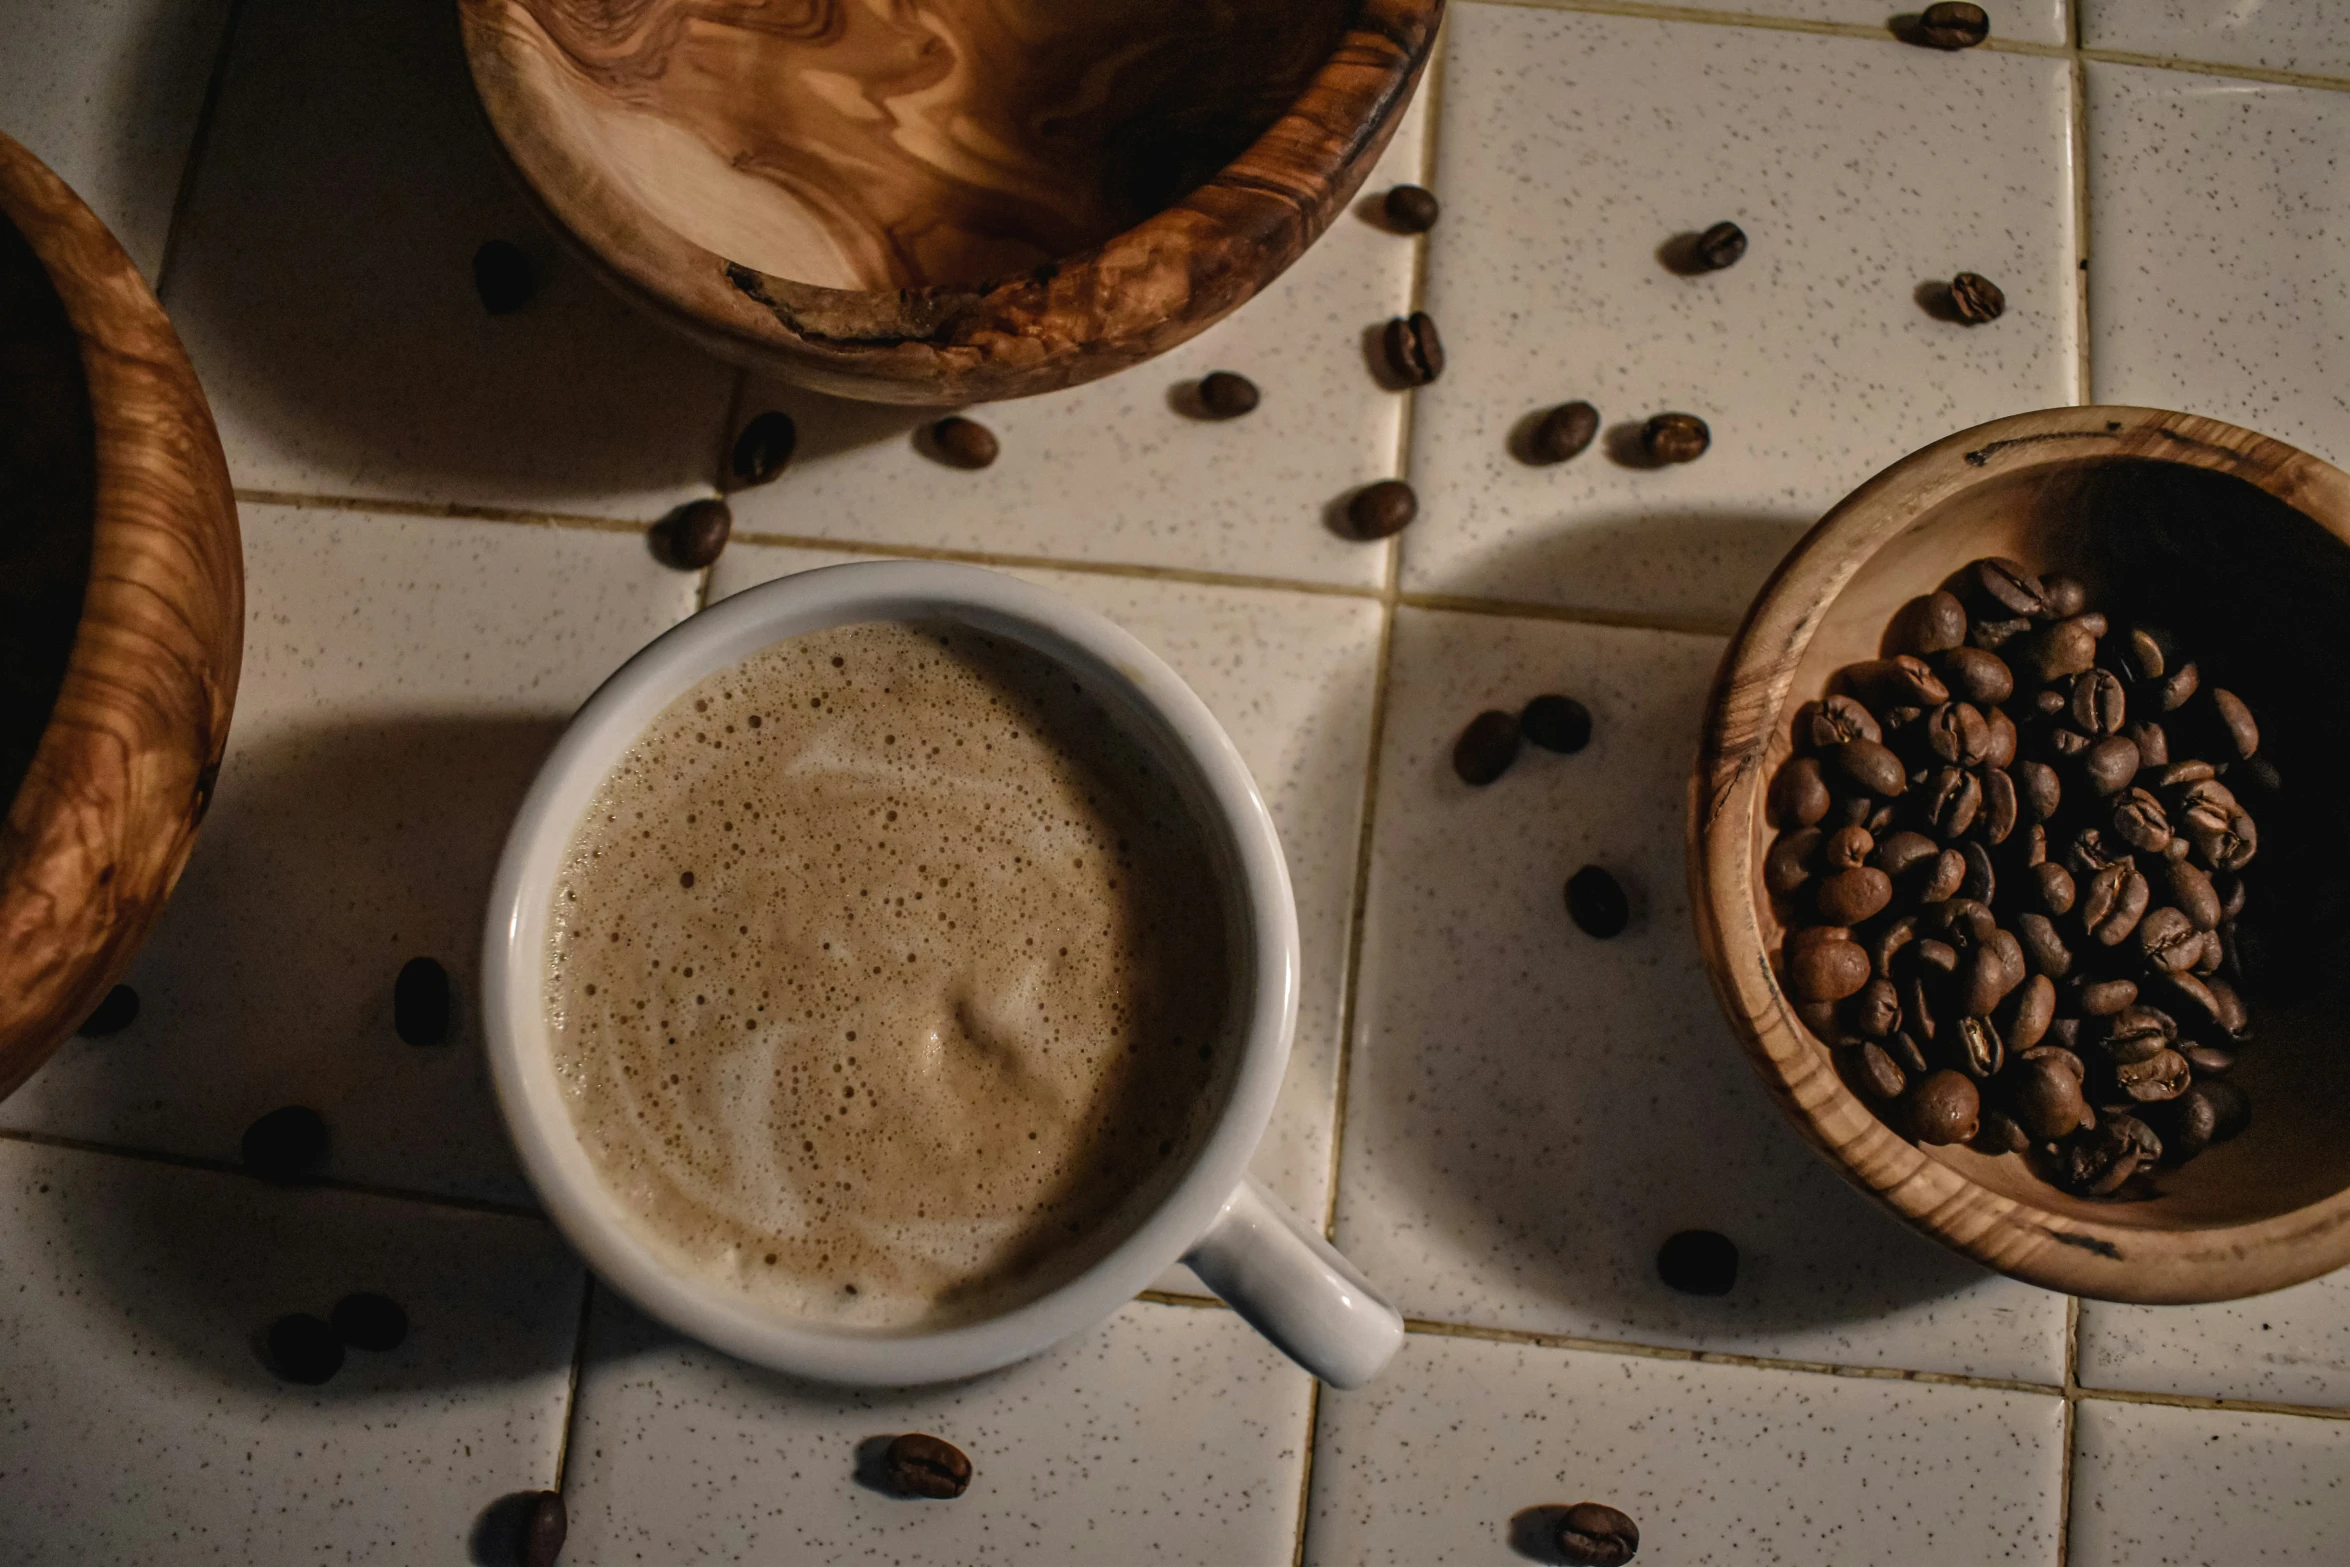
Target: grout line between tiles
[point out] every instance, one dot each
(1690, 625)
(1872, 32)
(587, 1301)
(2085, 387)
(2072, 1394)
(185, 192)
(2244, 73)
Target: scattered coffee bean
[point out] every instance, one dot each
(1414, 350)
(1596, 902)
(920, 1465)
(1698, 1262)
(1674, 438)
(504, 277)
(1592, 1534)
(694, 535)
(1952, 24)
(1721, 245)
(1227, 396)
(421, 1003)
(1412, 208)
(764, 448)
(1557, 723)
(544, 1530)
(1487, 747)
(1976, 298)
(1382, 510)
(304, 1349)
(285, 1145)
(370, 1321)
(1564, 432)
(964, 443)
(118, 1011)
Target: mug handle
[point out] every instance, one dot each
(1291, 1285)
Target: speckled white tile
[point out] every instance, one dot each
(1115, 470)
(1533, 1111)
(402, 679)
(2025, 21)
(139, 1423)
(2216, 210)
(1860, 171)
(1290, 676)
(1169, 1434)
(107, 93)
(2157, 1486)
(2292, 1347)
(1466, 1451)
(323, 284)
(2311, 36)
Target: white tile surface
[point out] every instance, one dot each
(2309, 36)
(1112, 471)
(402, 680)
(2216, 210)
(2163, 1487)
(2292, 1347)
(138, 1422)
(1169, 1434)
(1534, 1111)
(323, 285)
(1462, 1452)
(107, 93)
(1859, 170)
(1290, 677)
(2025, 21)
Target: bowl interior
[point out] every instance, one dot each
(931, 143)
(2259, 593)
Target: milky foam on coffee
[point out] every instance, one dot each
(884, 972)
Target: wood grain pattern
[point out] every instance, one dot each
(943, 201)
(2244, 543)
(103, 820)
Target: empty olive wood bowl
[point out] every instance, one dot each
(122, 596)
(2235, 541)
(944, 201)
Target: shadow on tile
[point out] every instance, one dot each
(1694, 564)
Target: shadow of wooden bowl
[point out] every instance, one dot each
(2241, 545)
(946, 201)
(121, 610)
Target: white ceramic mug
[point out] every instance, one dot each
(1276, 1272)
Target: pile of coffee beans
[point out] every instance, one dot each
(2010, 862)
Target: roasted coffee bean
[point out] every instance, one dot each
(504, 277)
(2140, 821)
(2108, 997)
(2066, 596)
(695, 534)
(2180, 776)
(2142, 654)
(1918, 1011)
(2000, 751)
(2233, 1111)
(2232, 1016)
(1556, 723)
(1874, 1073)
(1974, 675)
(1593, 1534)
(1976, 298)
(2044, 948)
(2065, 742)
(2168, 940)
(1987, 980)
(964, 443)
(1847, 848)
(304, 1349)
(1414, 350)
(2097, 703)
(2234, 723)
(764, 448)
(1897, 852)
(1832, 721)
(2152, 742)
(1994, 635)
(1899, 681)
(1226, 395)
(1869, 765)
(1698, 1262)
(2126, 909)
(2002, 1133)
(1930, 623)
(2209, 1060)
(2137, 1032)
(1981, 1051)
(1996, 821)
(2177, 686)
(1486, 748)
(2065, 1031)
(1565, 432)
(2038, 789)
(1953, 24)
(2208, 962)
(2046, 1098)
(544, 1530)
(1981, 883)
(1906, 1052)
(2230, 889)
(2097, 1165)
(2162, 1075)
(118, 1011)
(1880, 820)
(2190, 995)
(1957, 732)
(1996, 585)
(421, 1005)
(2220, 842)
(2054, 652)
(1675, 437)
(1953, 796)
(2032, 848)
(918, 1464)
(1844, 898)
(2024, 1016)
(1719, 246)
(1941, 879)
(1852, 812)
(2089, 853)
(1412, 208)
(1945, 1108)
(1874, 1011)
(370, 1321)
(1966, 923)
(1788, 864)
(1825, 1019)
(1799, 794)
(2109, 765)
(1596, 902)
(2053, 885)
(1382, 510)
(285, 1145)
(1886, 945)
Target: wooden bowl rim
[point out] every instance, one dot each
(986, 341)
(2058, 1251)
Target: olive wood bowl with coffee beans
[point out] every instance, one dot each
(945, 201)
(2018, 851)
(121, 610)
